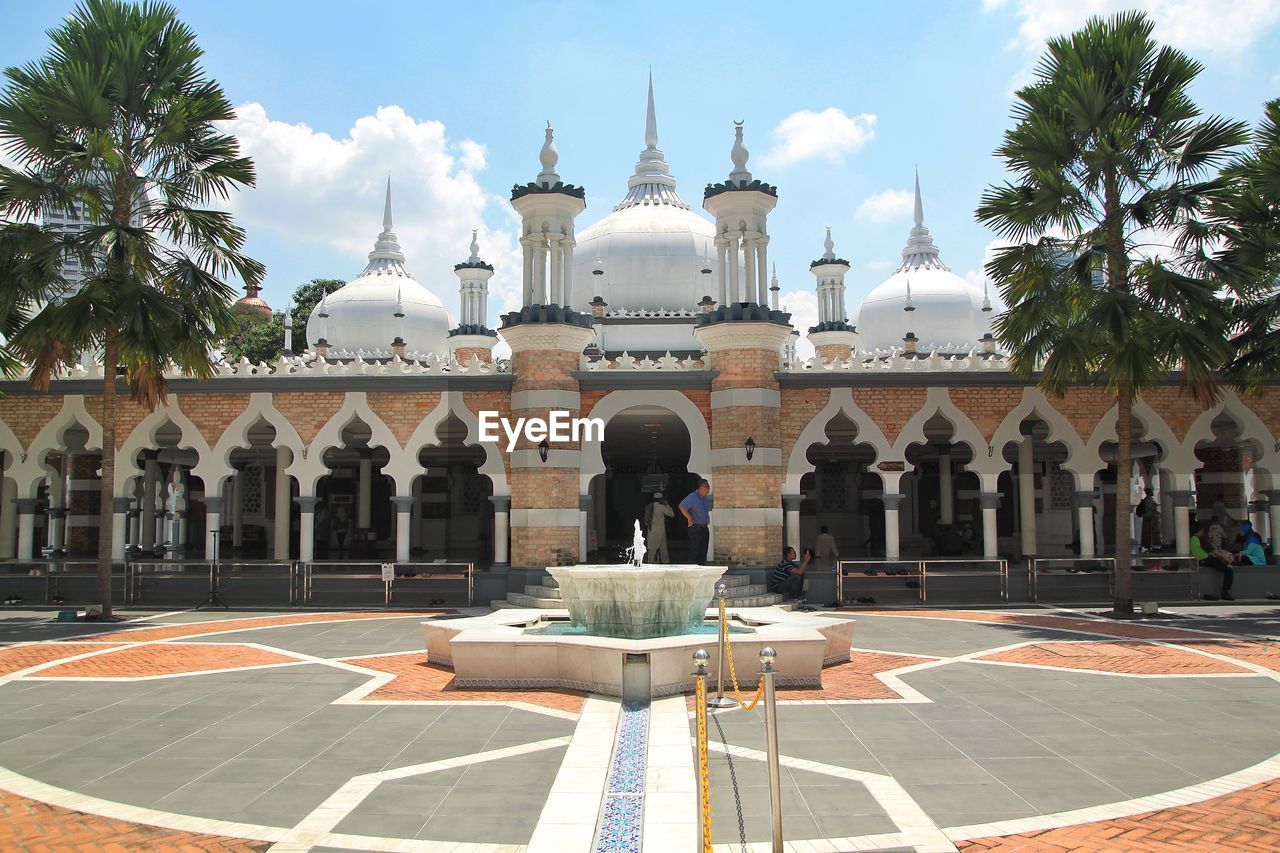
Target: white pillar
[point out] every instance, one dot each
(892, 548)
(58, 506)
(8, 519)
(151, 474)
(527, 245)
(722, 252)
(1182, 521)
(364, 496)
(566, 267)
(237, 508)
(540, 272)
(182, 520)
(135, 524)
(119, 518)
(555, 294)
(26, 508)
(1027, 495)
(1084, 521)
(990, 533)
(791, 510)
(946, 490)
(1167, 485)
(280, 550)
(501, 528)
(762, 267)
(415, 516)
(735, 294)
(306, 528)
(749, 269)
(404, 509)
(212, 526)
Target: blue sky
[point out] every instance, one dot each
(451, 98)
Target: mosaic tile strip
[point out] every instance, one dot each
(622, 818)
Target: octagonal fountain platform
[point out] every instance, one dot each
(631, 632)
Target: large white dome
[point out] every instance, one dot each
(948, 313)
(362, 314)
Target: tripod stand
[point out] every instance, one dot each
(214, 599)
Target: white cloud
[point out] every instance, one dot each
(803, 306)
(313, 187)
(1194, 25)
(830, 134)
(886, 206)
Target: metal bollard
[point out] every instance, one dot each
(700, 658)
(723, 625)
(767, 656)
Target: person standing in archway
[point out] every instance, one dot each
(656, 515)
(696, 509)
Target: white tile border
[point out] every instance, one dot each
(572, 810)
(669, 780)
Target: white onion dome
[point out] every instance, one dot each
(652, 247)
(365, 314)
(926, 299)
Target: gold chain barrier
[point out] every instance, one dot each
(733, 675)
(704, 772)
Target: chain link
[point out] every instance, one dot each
(704, 772)
(733, 780)
(733, 674)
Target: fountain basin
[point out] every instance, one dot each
(497, 651)
(636, 602)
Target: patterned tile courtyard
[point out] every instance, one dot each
(962, 729)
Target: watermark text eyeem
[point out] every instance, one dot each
(559, 427)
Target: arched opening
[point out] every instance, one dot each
(645, 452)
(8, 508)
(941, 514)
(451, 514)
(353, 514)
(1040, 494)
(164, 518)
(253, 507)
(1112, 486)
(842, 492)
(1226, 485)
(67, 501)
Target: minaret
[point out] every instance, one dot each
(547, 208)
(547, 338)
(920, 252)
(833, 337)
(741, 206)
(652, 182)
(744, 341)
(472, 336)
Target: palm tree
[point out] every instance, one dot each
(118, 118)
(1248, 219)
(1108, 281)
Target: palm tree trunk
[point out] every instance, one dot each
(106, 496)
(1122, 603)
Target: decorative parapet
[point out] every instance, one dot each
(628, 362)
(546, 314)
(730, 186)
(743, 312)
(560, 187)
(472, 329)
(338, 363)
(653, 313)
(900, 362)
(833, 326)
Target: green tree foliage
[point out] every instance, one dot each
(261, 339)
(1111, 276)
(1248, 218)
(119, 117)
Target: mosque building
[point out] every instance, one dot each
(662, 321)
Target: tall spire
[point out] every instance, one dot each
(920, 252)
(386, 211)
(651, 120)
(652, 182)
(549, 157)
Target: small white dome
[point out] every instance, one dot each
(362, 314)
(948, 312)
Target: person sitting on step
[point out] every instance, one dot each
(1213, 560)
(787, 579)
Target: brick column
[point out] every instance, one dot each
(545, 511)
(832, 345)
(463, 346)
(82, 504)
(746, 403)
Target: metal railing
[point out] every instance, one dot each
(57, 581)
(149, 579)
(894, 575)
(389, 578)
(1146, 568)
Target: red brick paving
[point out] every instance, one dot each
(35, 827)
(1102, 627)
(1121, 657)
(1248, 819)
(1256, 652)
(175, 631)
(142, 661)
(418, 680)
(18, 658)
(855, 679)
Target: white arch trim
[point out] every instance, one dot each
(839, 402)
(1251, 427)
(1035, 403)
(236, 435)
(143, 437)
(424, 435)
(616, 402)
(310, 467)
(986, 463)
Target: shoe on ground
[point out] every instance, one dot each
(1226, 596)
(1273, 596)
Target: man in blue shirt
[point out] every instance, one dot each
(787, 579)
(696, 509)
